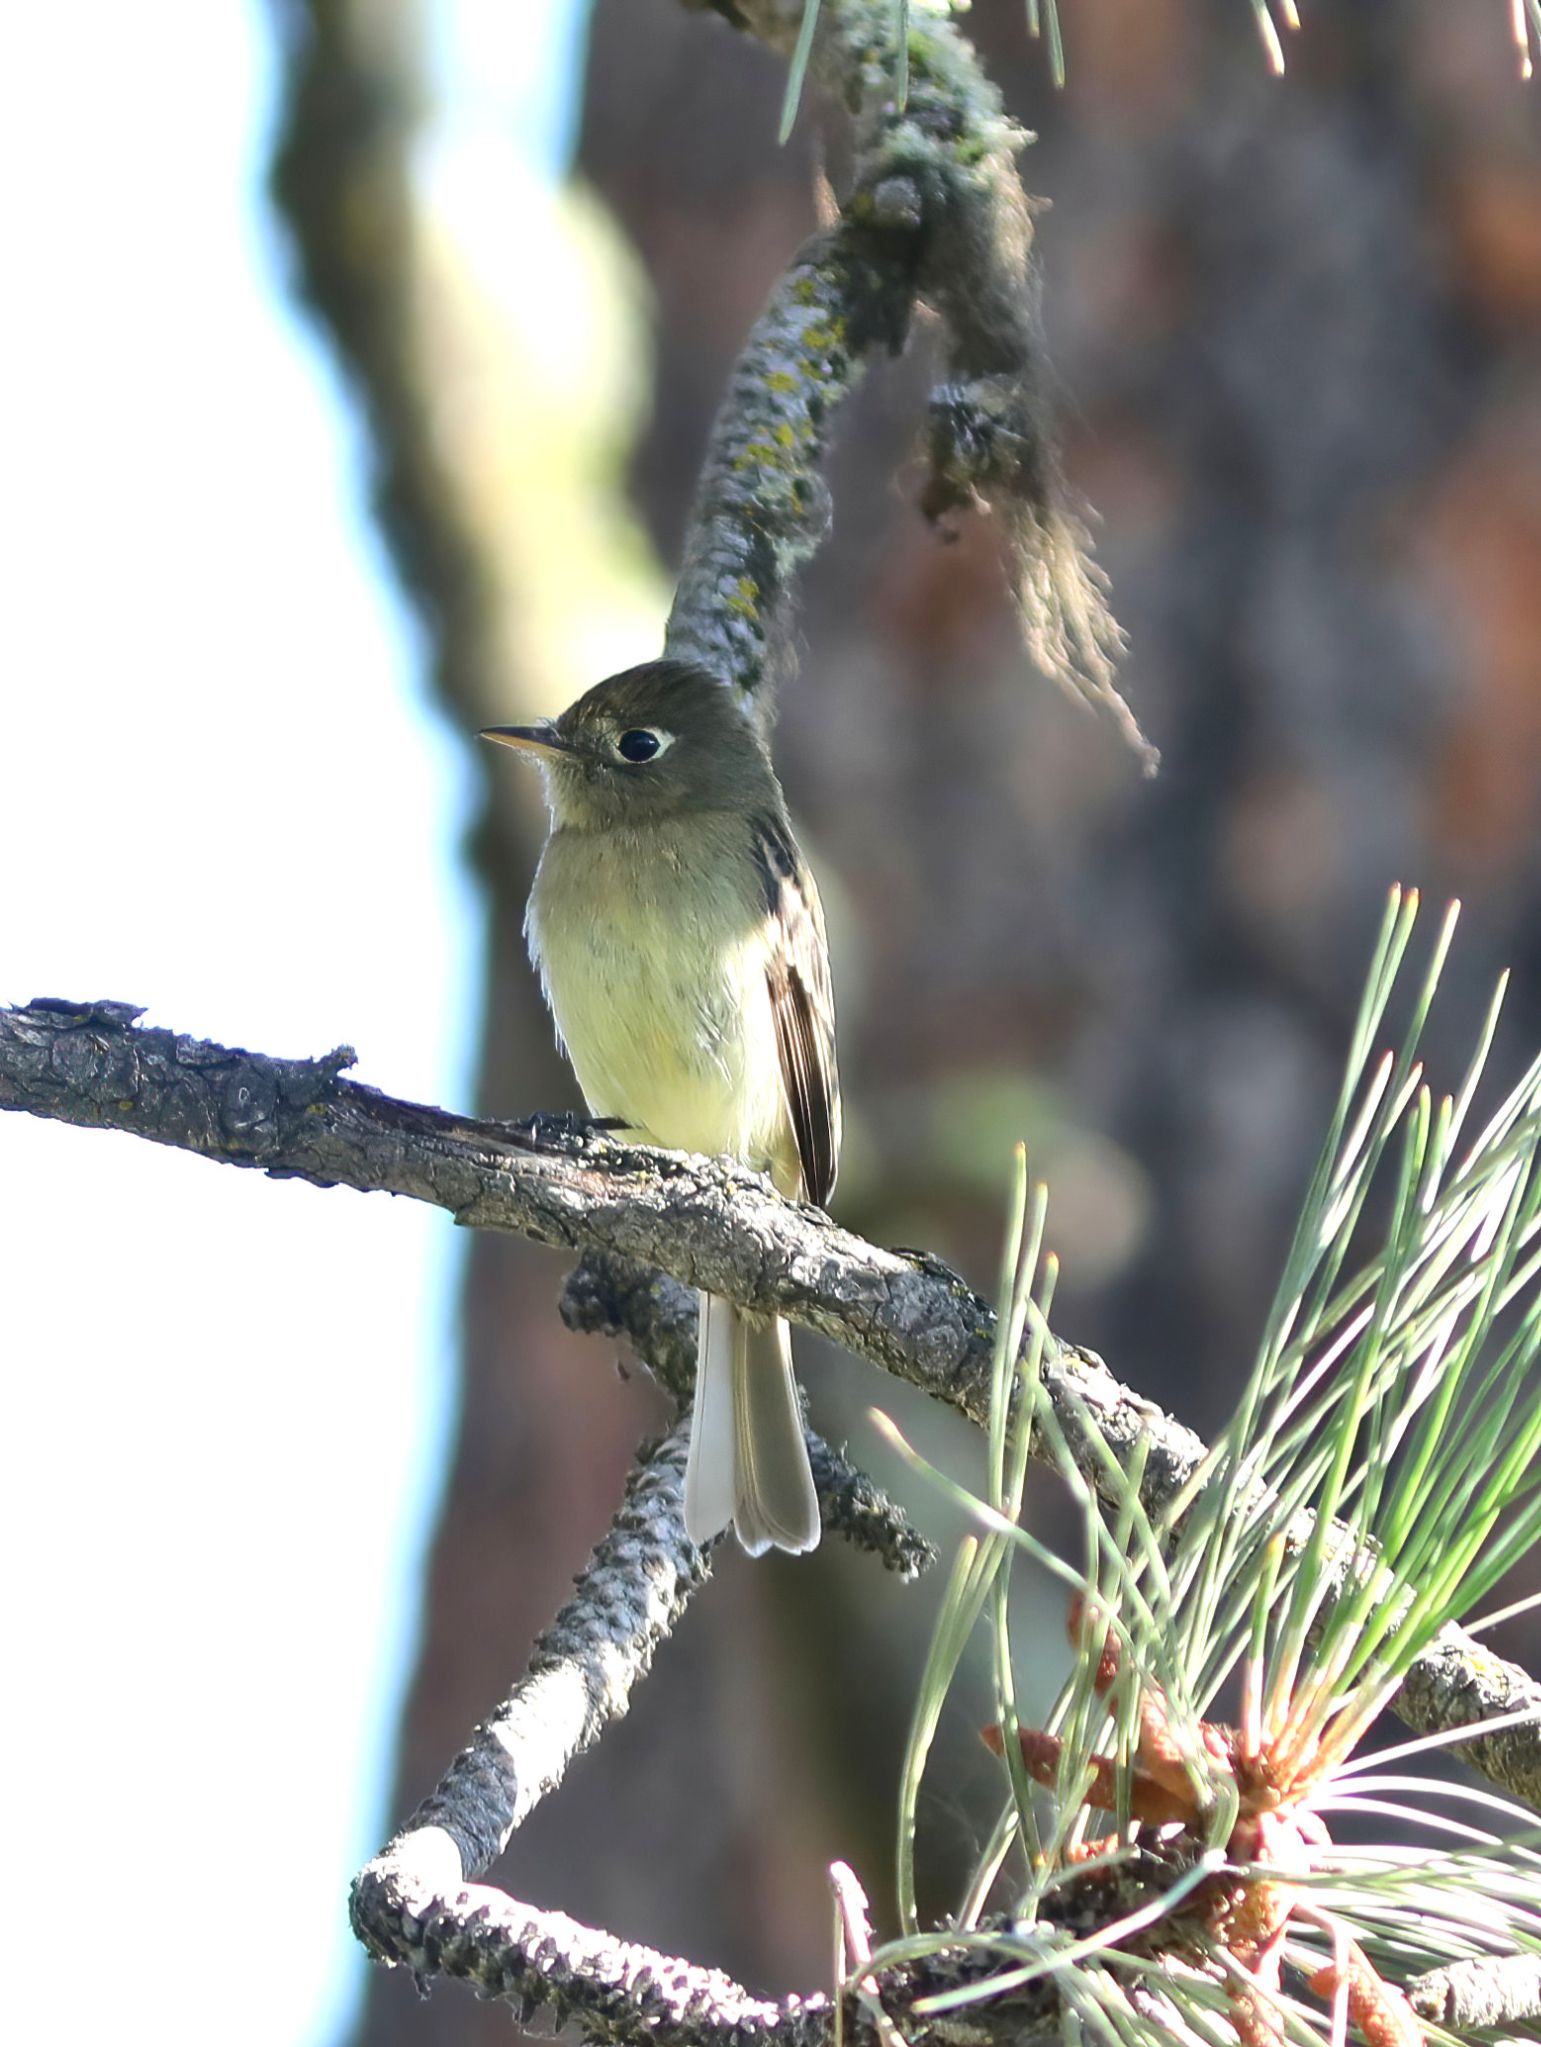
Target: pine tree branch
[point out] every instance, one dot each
(706, 1223)
(936, 214)
(417, 1904)
(90, 1064)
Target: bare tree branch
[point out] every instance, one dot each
(705, 1222)
(1488, 1990)
(417, 1905)
(935, 213)
(581, 1672)
(613, 1990)
(89, 1063)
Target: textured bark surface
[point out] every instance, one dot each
(934, 214)
(703, 1221)
(1493, 1990)
(707, 1222)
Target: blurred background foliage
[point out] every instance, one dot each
(1296, 329)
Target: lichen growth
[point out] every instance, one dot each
(935, 212)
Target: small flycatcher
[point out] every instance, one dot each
(680, 942)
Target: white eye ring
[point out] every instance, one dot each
(641, 753)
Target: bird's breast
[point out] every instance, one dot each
(651, 947)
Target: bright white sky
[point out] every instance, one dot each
(224, 796)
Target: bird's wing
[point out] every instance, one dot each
(803, 1005)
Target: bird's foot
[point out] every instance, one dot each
(562, 1132)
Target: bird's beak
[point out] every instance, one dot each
(541, 740)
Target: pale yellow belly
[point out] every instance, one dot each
(659, 993)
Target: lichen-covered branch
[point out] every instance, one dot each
(762, 506)
(581, 1673)
(536, 1961)
(621, 1994)
(935, 214)
(705, 1222)
(417, 1904)
(580, 1677)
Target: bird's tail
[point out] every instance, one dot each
(748, 1460)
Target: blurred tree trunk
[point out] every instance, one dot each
(1297, 328)
(465, 489)
(1295, 323)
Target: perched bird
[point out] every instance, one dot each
(680, 943)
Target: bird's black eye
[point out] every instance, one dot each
(638, 745)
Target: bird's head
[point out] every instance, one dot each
(651, 742)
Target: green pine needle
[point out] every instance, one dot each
(1043, 23)
(1381, 1474)
(798, 69)
(1043, 20)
